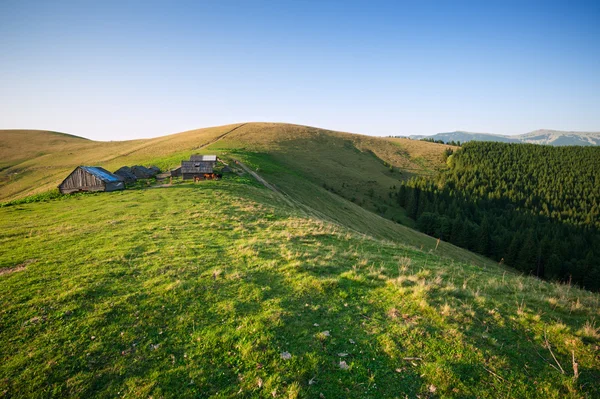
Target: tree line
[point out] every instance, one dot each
(535, 208)
(452, 142)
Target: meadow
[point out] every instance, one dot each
(226, 288)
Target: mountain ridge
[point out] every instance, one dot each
(539, 136)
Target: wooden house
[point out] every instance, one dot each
(91, 178)
(195, 169)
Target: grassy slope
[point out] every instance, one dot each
(34, 161)
(196, 290)
(44, 166)
(298, 159)
(17, 146)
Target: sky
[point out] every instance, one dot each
(133, 69)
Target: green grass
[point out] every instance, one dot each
(196, 291)
(333, 175)
(312, 200)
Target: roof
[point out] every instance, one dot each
(196, 167)
(125, 173)
(101, 173)
(208, 158)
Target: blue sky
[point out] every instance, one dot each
(122, 70)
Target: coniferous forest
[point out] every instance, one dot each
(535, 208)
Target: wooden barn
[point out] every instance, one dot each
(91, 178)
(196, 169)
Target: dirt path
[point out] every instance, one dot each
(220, 137)
(143, 146)
(303, 208)
(265, 183)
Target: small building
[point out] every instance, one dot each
(176, 172)
(142, 172)
(91, 178)
(126, 174)
(195, 169)
(155, 170)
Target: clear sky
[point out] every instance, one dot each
(127, 69)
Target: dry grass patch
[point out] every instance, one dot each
(18, 268)
(590, 330)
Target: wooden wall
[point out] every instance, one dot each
(81, 180)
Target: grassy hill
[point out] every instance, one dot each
(203, 291)
(36, 161)
(49, 157)
(17, 146)
(330, 172)
(227, 288)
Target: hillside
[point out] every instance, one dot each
(362, 169)
(555, 138)
(46, 160)
(225, 289)
(17, 146)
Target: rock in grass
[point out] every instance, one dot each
(286, 355)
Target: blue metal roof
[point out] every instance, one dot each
(101, 173)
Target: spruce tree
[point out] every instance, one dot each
(513, 251)
(528, 255)
(484, 239)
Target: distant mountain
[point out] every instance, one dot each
(558, 138)
(542, 136)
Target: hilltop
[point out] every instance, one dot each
(542, 136)
(229, 288)
(17, 146)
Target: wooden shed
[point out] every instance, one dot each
(91, 178)
(126, 175)
(193, 169)
(176, 172)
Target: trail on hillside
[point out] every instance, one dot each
(167, 138)
(221, 136)
(292, 202)
(261, 180)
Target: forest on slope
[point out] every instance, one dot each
(536, 208)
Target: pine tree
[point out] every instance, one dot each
(553, 268)
(528, 255)
(513, 251)
(484, 239)
(412, 204)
